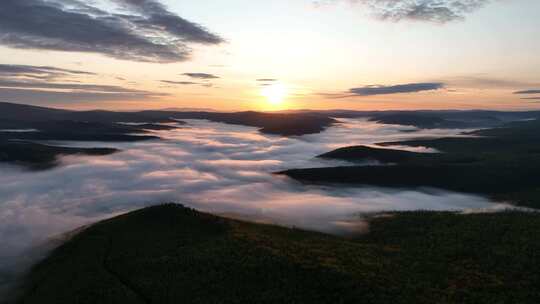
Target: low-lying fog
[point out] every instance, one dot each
(220, 168)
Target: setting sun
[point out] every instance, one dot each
(275, 94)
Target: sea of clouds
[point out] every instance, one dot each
(219, 168)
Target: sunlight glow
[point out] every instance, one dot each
(275, 94)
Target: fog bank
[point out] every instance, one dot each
(219, 168)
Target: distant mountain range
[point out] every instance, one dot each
(24, 128)
(16, 116)
(286, 123)
(112, 126)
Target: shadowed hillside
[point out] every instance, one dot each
(170, 254)
(37, 156)
(363, 153)
(503, 163)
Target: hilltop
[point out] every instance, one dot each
(170, 254)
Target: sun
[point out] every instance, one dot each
(275, 94)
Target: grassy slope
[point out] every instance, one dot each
(170, 254)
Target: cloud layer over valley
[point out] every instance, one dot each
(224, 169)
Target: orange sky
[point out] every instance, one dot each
(317, 54)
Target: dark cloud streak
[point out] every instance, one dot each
(395, 89)
(201, 75)
(178, 82)
(66, 86)
(528, 92)
(46, 84)
(485, 82)
(40, 97)
(38, 72)
(183, 83)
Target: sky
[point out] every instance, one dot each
(271, 55)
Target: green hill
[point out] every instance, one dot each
(170, 254)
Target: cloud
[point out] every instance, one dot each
(201, 75)
(528, 92)
(66, 86)
(38, 72)
(481, 81)
(40, 97)
(395, 89)
(160, 19)
(451, 84)
(144, 31)
(265, 82)
(224, 169)
(178, 82)
(46, 84)
(436, 11)
(204, 84)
